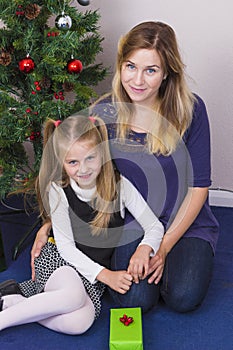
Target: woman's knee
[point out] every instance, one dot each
(182, 301)
(141, 295)
(187, 274)
(125, 302)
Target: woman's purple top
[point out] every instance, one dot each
(164, 180)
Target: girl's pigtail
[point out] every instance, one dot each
(49, 128)
(100, 125)
(48, 167)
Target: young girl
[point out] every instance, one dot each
(85, 199)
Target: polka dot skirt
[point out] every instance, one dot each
(48, 261)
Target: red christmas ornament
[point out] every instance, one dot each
(26, 65)
(74, 66)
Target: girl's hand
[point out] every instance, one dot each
(120, 281)
(139, 263)
(40, 240)
(156, 265)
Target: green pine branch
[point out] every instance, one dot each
(26, 100)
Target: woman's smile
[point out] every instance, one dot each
(142, 76)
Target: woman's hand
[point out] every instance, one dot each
(139, 263)
(40, 240)
(120, 281)
(156, 266)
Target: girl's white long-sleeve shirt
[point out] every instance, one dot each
(130, 198)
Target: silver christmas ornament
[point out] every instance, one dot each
(63, 22)
(84, 2)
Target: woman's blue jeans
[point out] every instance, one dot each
(186, 277)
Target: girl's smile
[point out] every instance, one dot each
(83, 163)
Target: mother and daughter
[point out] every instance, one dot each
(159, 139)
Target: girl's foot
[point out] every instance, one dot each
(9, 287)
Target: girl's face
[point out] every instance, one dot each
(142, 75)
(83, 163)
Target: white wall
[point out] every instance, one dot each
(204, 30)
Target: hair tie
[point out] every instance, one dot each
(92, 119)
(57, 123)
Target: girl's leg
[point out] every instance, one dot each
(143, 294)
(64, 295)
(187, 274)
(73, 323)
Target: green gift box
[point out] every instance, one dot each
(124, 337)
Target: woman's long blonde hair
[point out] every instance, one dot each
(57, 142)
(173, 107)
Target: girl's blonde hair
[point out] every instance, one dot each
(173, 106)
(57, 142)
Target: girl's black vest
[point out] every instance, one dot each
(97, 247)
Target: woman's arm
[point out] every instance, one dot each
(197, 141)
(40, 240)
(189, 210)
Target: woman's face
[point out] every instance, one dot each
(83, 163)
(142, 75)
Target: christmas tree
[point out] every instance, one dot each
(47, 70)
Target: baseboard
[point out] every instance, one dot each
(221, 198)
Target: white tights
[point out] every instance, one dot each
(64, 306)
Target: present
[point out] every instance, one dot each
(126, 329)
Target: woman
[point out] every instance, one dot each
(160, 141)
(165, 153)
